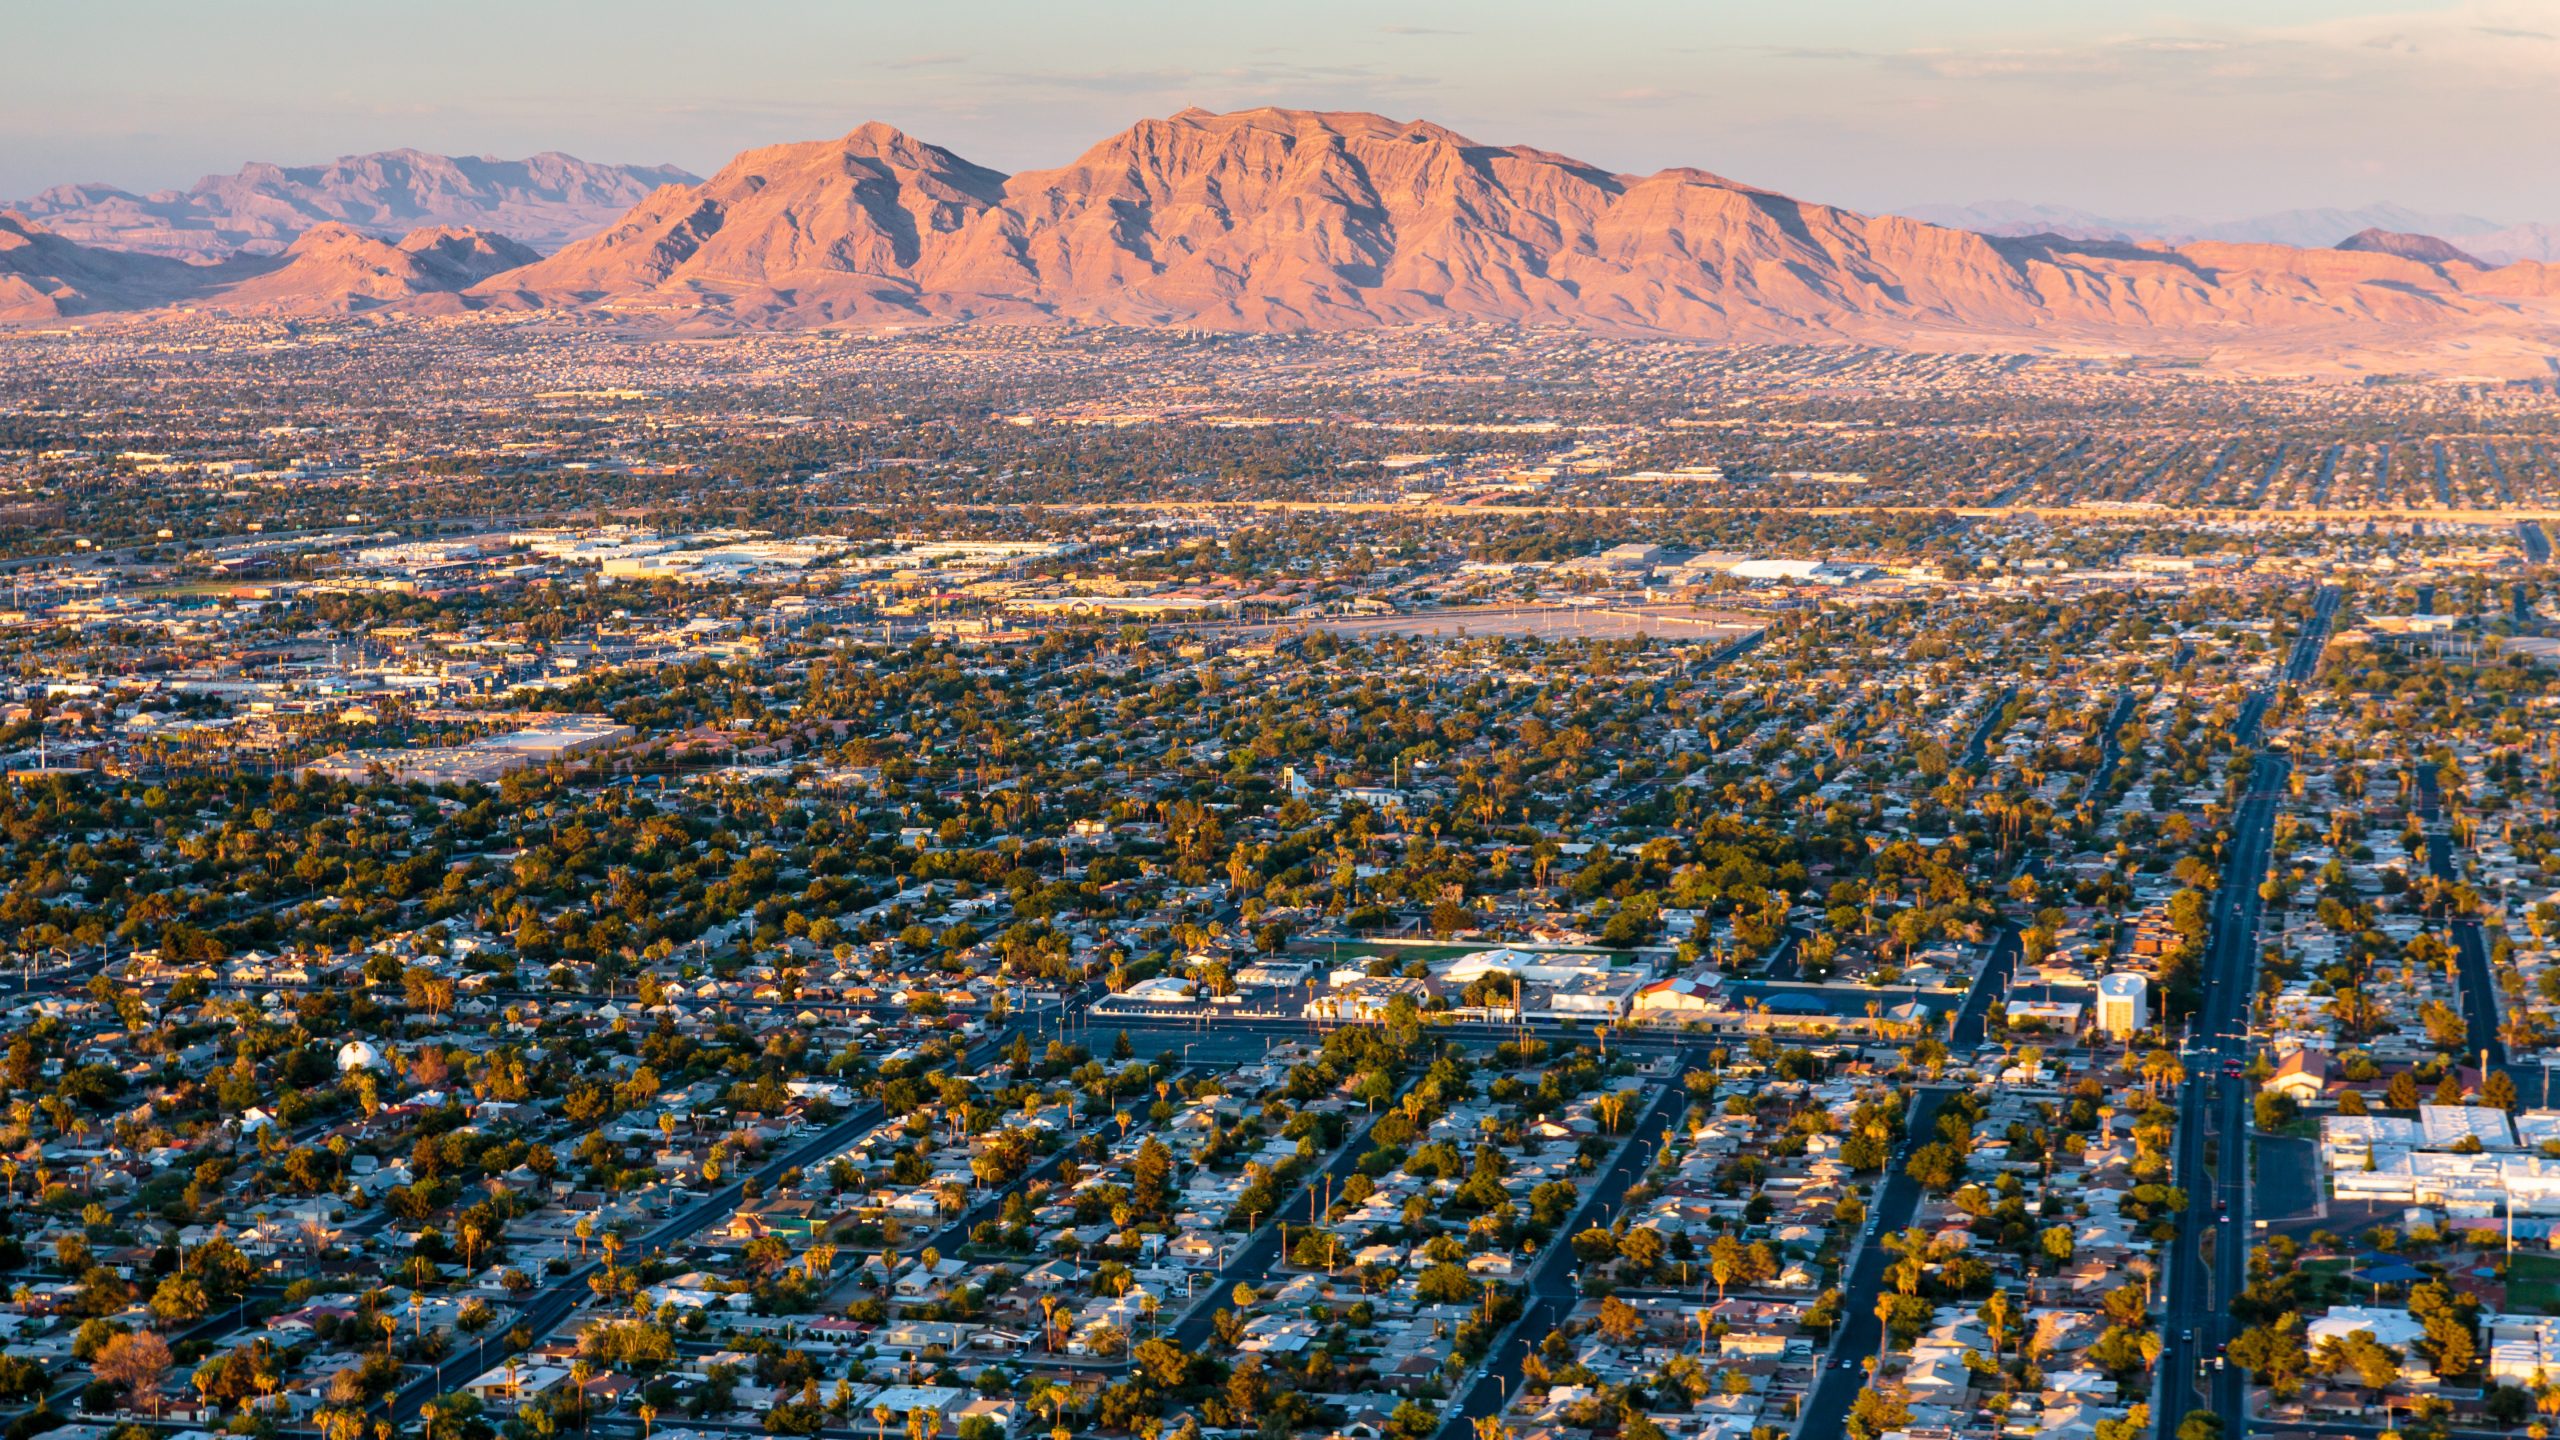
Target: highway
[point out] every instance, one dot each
(2208, 1261)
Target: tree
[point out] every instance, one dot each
(1619, 1321)
(2057, 1245)
(2200, 1425)
(1724, 1261)
(1998, 1317)
(1938, 1165)
(180, 1300)
(1877, 1411)
(2373, 1364)
(1161, 1361)
(135, 1363)
(1444, 1284)
(2275, 1109)
(2402, 1092)
(2498, 1091)
(2274, 1353)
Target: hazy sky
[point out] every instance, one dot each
(2208, 109)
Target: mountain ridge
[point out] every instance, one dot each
(1289, 220)
(1292, 219)
(330, 269)
(2494, 242)
(543, 201)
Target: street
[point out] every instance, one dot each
(2208, 1261)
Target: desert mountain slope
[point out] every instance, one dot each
(1283, 219)
(328, 270)
(545, 201)
(2427, 248)
(333, 269)
(1306, 220)
(45, 277)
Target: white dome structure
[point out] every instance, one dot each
(357, 1055)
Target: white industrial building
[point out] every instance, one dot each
(2464, 1159)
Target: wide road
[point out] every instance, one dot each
(1836, 1387)
(2208, 1261)
(1553, 1291)
(1999, 967)
(1162, 1021)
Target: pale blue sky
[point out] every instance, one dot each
(2207, 107)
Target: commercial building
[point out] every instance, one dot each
(2124, 1004)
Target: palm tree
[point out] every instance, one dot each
(1996, 1316)
(648, 1414)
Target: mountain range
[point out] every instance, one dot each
(1297, 220)
(544, 202)
(328, 269)
(2494, 242)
